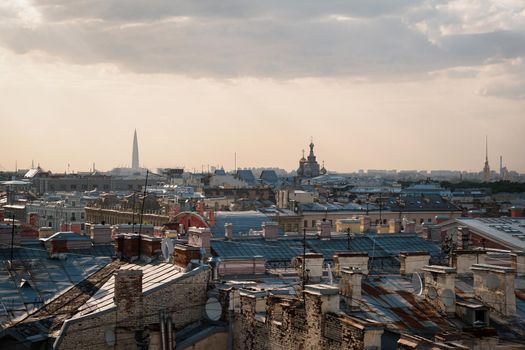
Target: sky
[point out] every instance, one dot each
(387, 84)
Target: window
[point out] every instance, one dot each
(106, 187)
(429, 220)
(130, 187)
(73, 187)
(313, 223)
(305, 223)
(82, 216)
(85, 187)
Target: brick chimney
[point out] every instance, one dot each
(184, 254)
(494, 286)
(199, 237)
(350, 286)
(129, 304)
(321, 298)
(228, 230)
(439, 288)
(270, 230)
(324, 229)
(411, 262)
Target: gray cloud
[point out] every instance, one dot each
(388, 39)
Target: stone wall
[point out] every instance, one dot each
(291, 323)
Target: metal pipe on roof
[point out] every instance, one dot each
(162, 320)
(169, 325)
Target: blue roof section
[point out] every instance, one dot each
(245, 175)
(269, 176)
(377, 246)
(275, 251)
(242, 222)
(359, 244)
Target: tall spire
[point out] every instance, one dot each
(486, 168)
(486, 148)
(135, 156)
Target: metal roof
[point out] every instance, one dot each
(35, 279)
(242, 222)
(377, 246)
(154, 275)
(508, 231)
(275, 251)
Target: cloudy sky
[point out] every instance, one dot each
(398, 84)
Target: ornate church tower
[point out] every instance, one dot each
(309, 167)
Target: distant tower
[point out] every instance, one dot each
(486, 168)
(135, 156)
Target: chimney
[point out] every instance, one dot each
(410, 226)
(321, 298)
(129, 302)
(350, 286)
(518, 263)
(394, 226)
(357, 260)
(324, 229)
(463, 238)
(494, 286)
(313, 265)
(463, 260)
(199, 237)
(411, 262)
(228, 231)
(365, 224)
(270, 230)
(183, 255)
(439, 287)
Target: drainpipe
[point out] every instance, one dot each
(169, 325)
(230, 323)
(162, 330)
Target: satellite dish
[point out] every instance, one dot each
(417, 284)
(213, 309)
(432, 293)
(109, 335)
(448, 297)
(167, 248)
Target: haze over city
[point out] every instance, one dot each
(389, 85)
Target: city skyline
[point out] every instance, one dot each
(206, 167)
(392, 85)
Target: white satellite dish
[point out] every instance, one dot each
(167, 248)
(417, 284)
(213, 309)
